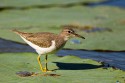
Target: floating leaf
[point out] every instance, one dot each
(68, 69)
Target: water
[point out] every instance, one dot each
(116, 59)
(11, 46)
(118, 3)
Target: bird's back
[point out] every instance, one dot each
(42, 39)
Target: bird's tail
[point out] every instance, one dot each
(17, 32)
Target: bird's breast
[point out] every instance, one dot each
(60, 43)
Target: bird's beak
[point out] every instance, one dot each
(77, 35)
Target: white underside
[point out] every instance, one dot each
(41, 50)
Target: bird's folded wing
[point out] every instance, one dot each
(41, 40)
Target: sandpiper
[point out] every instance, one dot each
(46, 43)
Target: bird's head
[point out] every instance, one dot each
(68, 32)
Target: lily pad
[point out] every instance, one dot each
(49, 20)
(68, 69)
(27, 3)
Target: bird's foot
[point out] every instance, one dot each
(46, 70)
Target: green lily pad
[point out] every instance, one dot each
(49, 20)
(69, 69)
(26, 3)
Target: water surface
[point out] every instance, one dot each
(117, 3)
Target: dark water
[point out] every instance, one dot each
(116, 59)
(11, 46)
(118, 3)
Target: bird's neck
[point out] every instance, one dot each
(65, 37)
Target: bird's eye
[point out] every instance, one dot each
(69, 31)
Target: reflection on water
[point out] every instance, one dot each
(116, 59)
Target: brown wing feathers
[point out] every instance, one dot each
(41, 39)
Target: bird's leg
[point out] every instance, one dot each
(46, 61)
(46, 69)
(38, 58)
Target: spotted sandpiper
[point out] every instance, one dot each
(46, 43)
